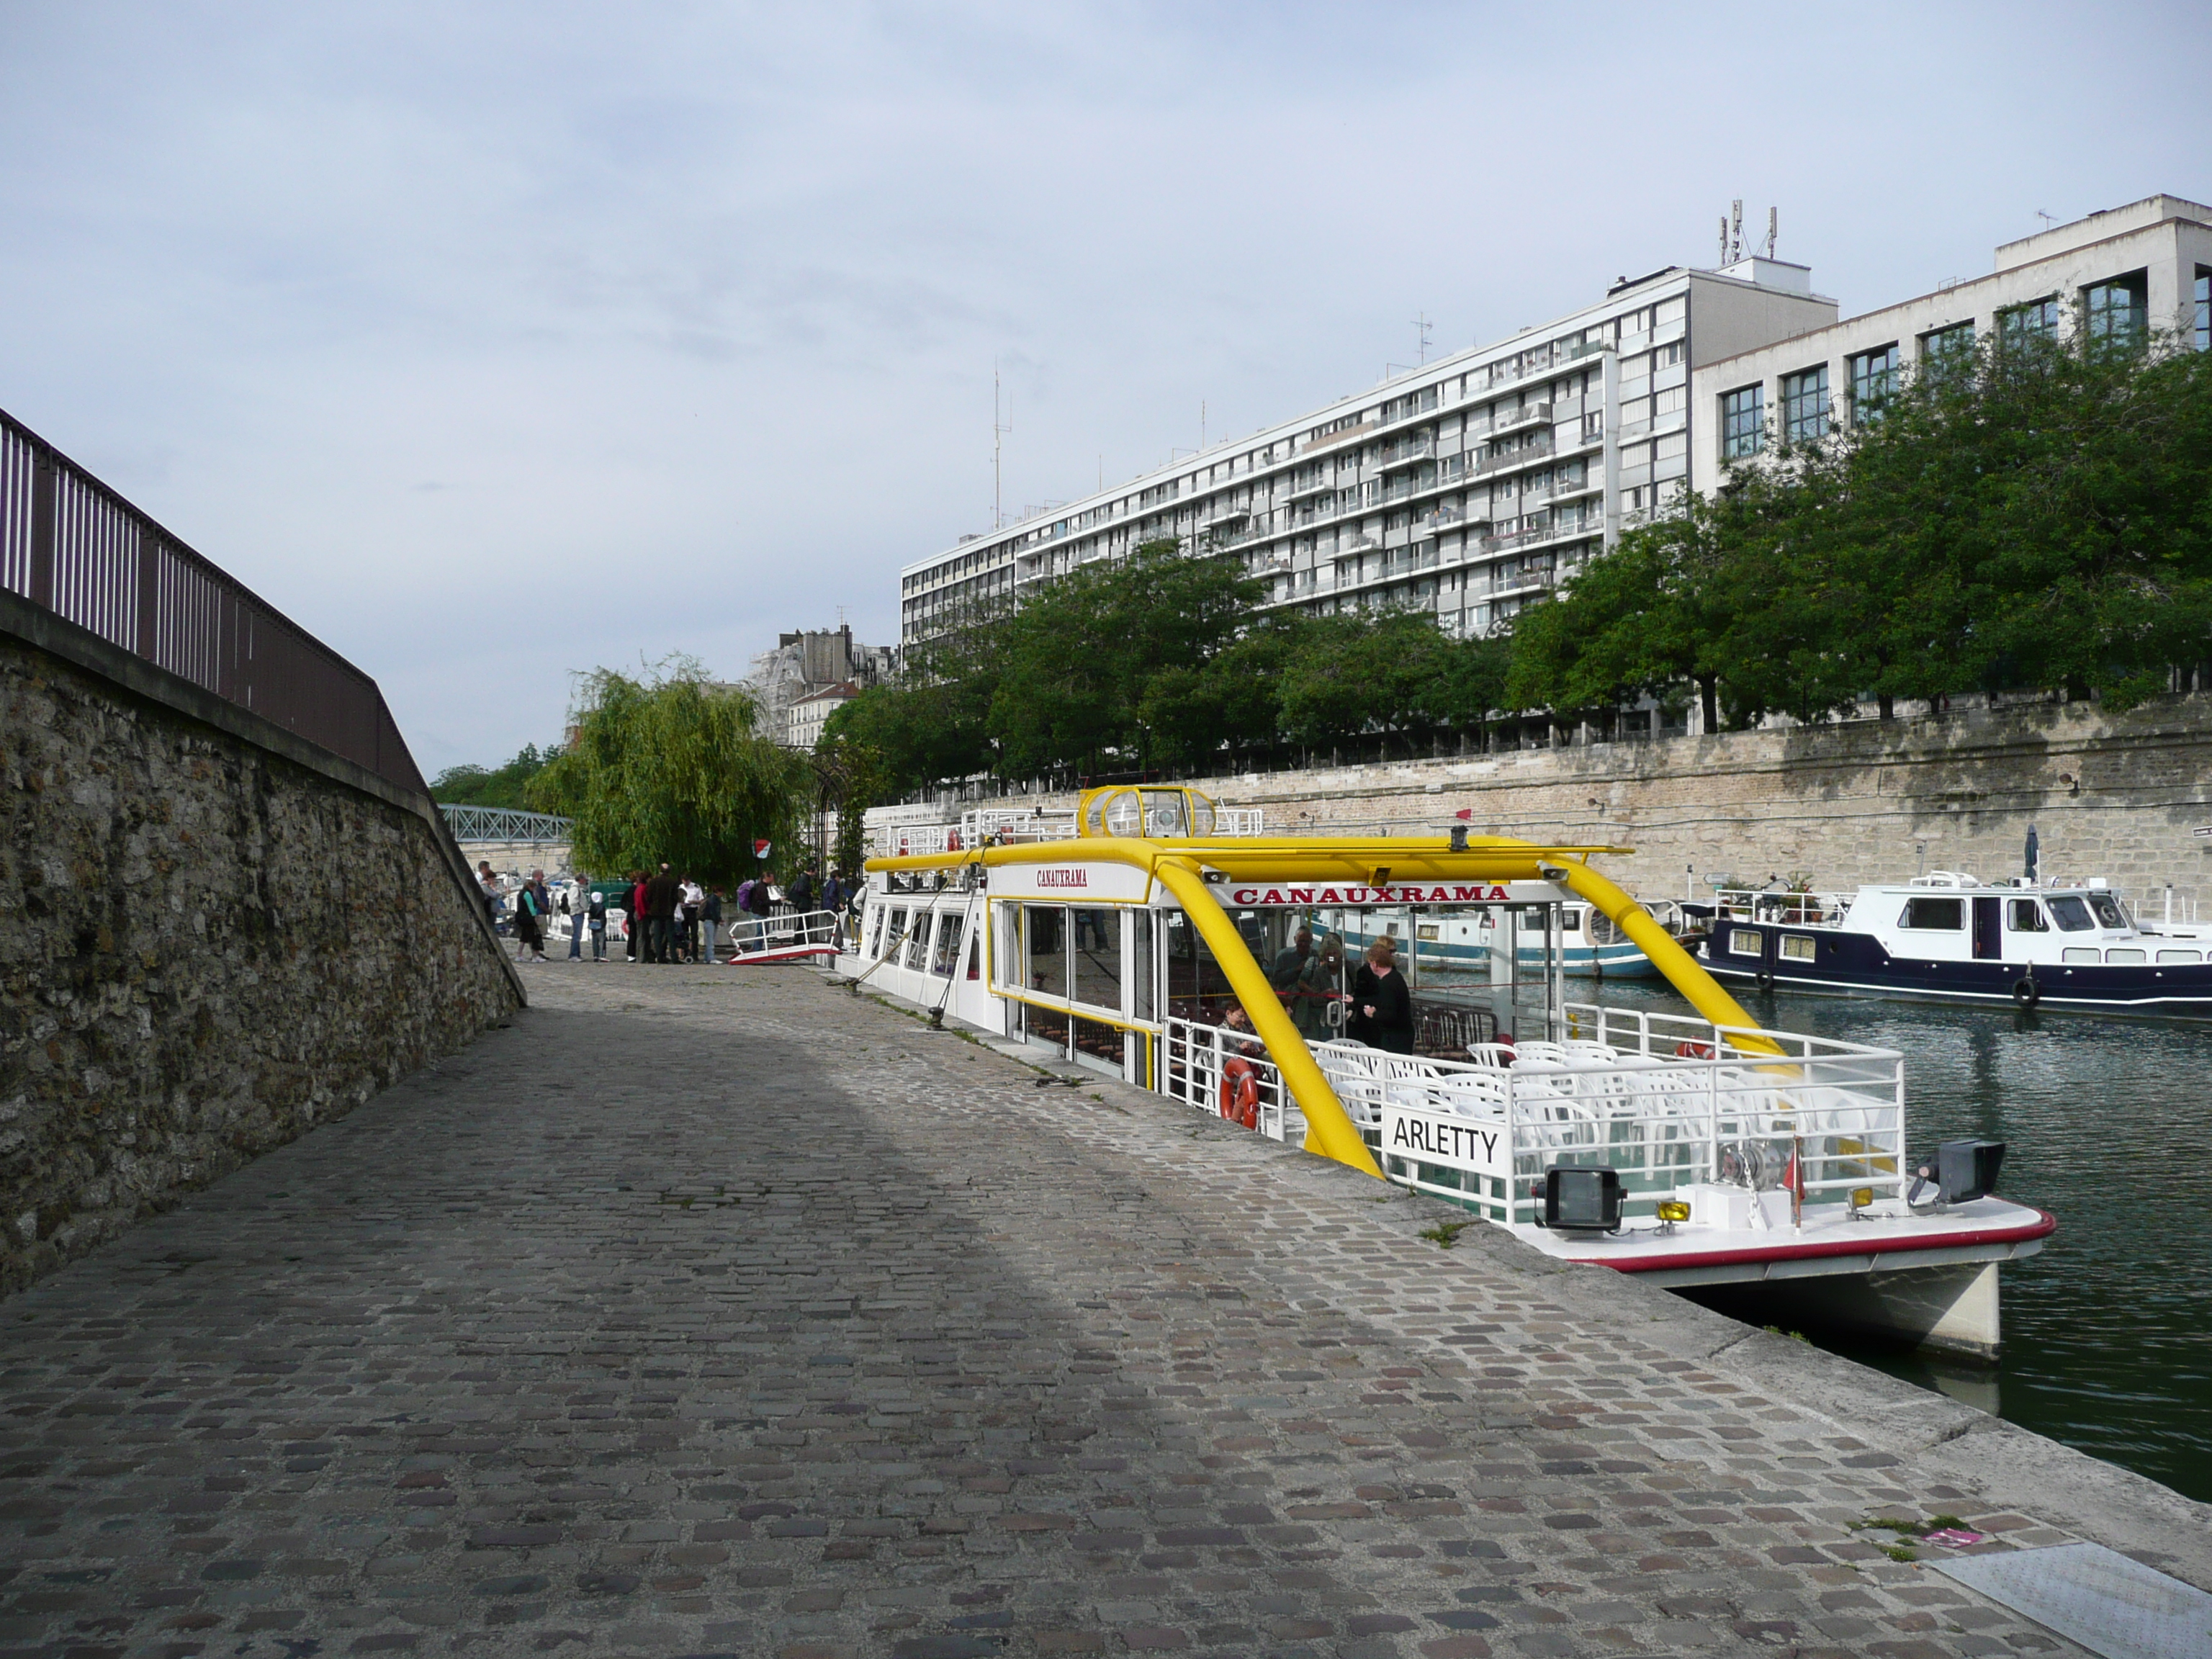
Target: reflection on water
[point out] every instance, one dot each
(2108, 1332)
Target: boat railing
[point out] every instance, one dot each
(1222, 1072)
(1002, 826)
(1792, 910)
(775, 933)
(1666, 1101)
(983, 825)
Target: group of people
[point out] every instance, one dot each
(672, 917)
(1378, 1009)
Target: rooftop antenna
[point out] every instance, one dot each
(1773, 230)
(1424, 330)
(998, 433)
(1736, 230)
(2049, 219)
(1724, 258)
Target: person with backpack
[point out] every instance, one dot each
(742, 903)
(636, 914)
(529, 925)
(710, 920)
(595, 917)
(801, 892)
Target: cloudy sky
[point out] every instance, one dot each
(496, 342)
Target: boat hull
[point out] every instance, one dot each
(1856, 964)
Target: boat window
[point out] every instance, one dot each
(1044, 933)
(2079, 955)
(2070, 914)
(2026, 916)
(1140, 965)
(1196, 987)
(1201, 816)
(893, 924)
(948, 944)
(1570, 922)
(1944, 914)
(1796, 947)
(2181, 956)
(2128, 957)
(1096, 958)
(1746, 942)
(1163, 813)
(2108, 910)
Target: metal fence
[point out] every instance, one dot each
(1227, 1074)
(71, 544)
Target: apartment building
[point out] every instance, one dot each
(803, 667)
(1466, 487)
(2117, 274)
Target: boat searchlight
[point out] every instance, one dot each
(1960, 1172)
(1580, 1200)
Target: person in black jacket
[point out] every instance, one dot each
(1382, 1008)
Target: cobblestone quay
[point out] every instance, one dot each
(701, 1312)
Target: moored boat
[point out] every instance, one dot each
(1944, 937)
(1700, 1150)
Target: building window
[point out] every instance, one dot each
(2023, 325)
(1743, 422)
(1874, 378)
(1947, 347)
(1805, 405)
(2119, 312)
(2204, 310)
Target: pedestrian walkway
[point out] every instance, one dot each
(711, 1312)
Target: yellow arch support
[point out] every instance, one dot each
(1329, 1130)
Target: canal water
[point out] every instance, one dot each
(2107, 1124)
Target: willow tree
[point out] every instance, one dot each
(673, 768)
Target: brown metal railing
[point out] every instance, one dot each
(71, 543)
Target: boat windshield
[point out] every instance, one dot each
(2108, 910)
(2071, 914)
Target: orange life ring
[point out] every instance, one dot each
(1240, 1092)
(1693, 1050)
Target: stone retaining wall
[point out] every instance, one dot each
(2116, 796)
(207, 943)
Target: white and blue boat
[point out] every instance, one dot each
(1944, 937)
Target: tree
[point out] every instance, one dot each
(502, 785)
(673, 767)
(1075, 659)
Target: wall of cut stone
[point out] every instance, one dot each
(2116, 796)
(206, 949)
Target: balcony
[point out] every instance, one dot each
(1528, 455)
(1411, 449)
(1528, 415)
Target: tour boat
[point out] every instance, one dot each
(1137, 937)
(1944, 937)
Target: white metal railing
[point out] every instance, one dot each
(1795, 909)
(1668, 1101)
(750, 935)
(982, 825)
(1216, 1069)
